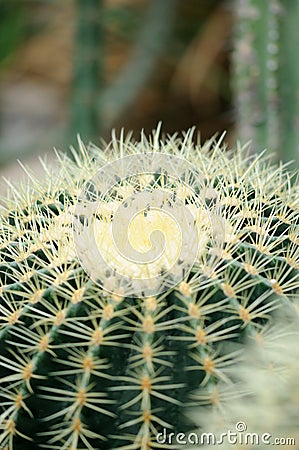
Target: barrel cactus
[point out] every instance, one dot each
(266, 410)
(123, 273)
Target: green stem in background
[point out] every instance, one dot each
(265, 77)
(151, 42)
(85, 118)
(255, 67)
(289, 81)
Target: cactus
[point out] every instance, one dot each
(289, 81)
(267, 386)
(255, 71)
(92, 358)
(87, 68)
(265, 75)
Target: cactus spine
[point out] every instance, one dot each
(263, 395)
(82, 368)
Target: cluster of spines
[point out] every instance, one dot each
(264, 386)
(56, 325)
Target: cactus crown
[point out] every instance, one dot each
(86, 364)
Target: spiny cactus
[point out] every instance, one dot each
(266, 76)
(102, 351)
(256, 63)
(263, 403)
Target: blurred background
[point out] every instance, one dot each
(87, 66)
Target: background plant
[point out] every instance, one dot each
(134, 63)
(266, 75)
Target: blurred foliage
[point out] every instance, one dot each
(125, 66)
(12, 28)
(190, 24)
(122, 21)
(17, 23)
(142, 61)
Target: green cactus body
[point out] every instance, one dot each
(265, 75)
(266, 385)
(82, 368)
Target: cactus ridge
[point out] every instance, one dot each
(84, 369)
(266, 385)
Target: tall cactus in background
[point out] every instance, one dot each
(95, 107)
(88, 360)
(289, 81)
(87, 76)
(266, 75)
